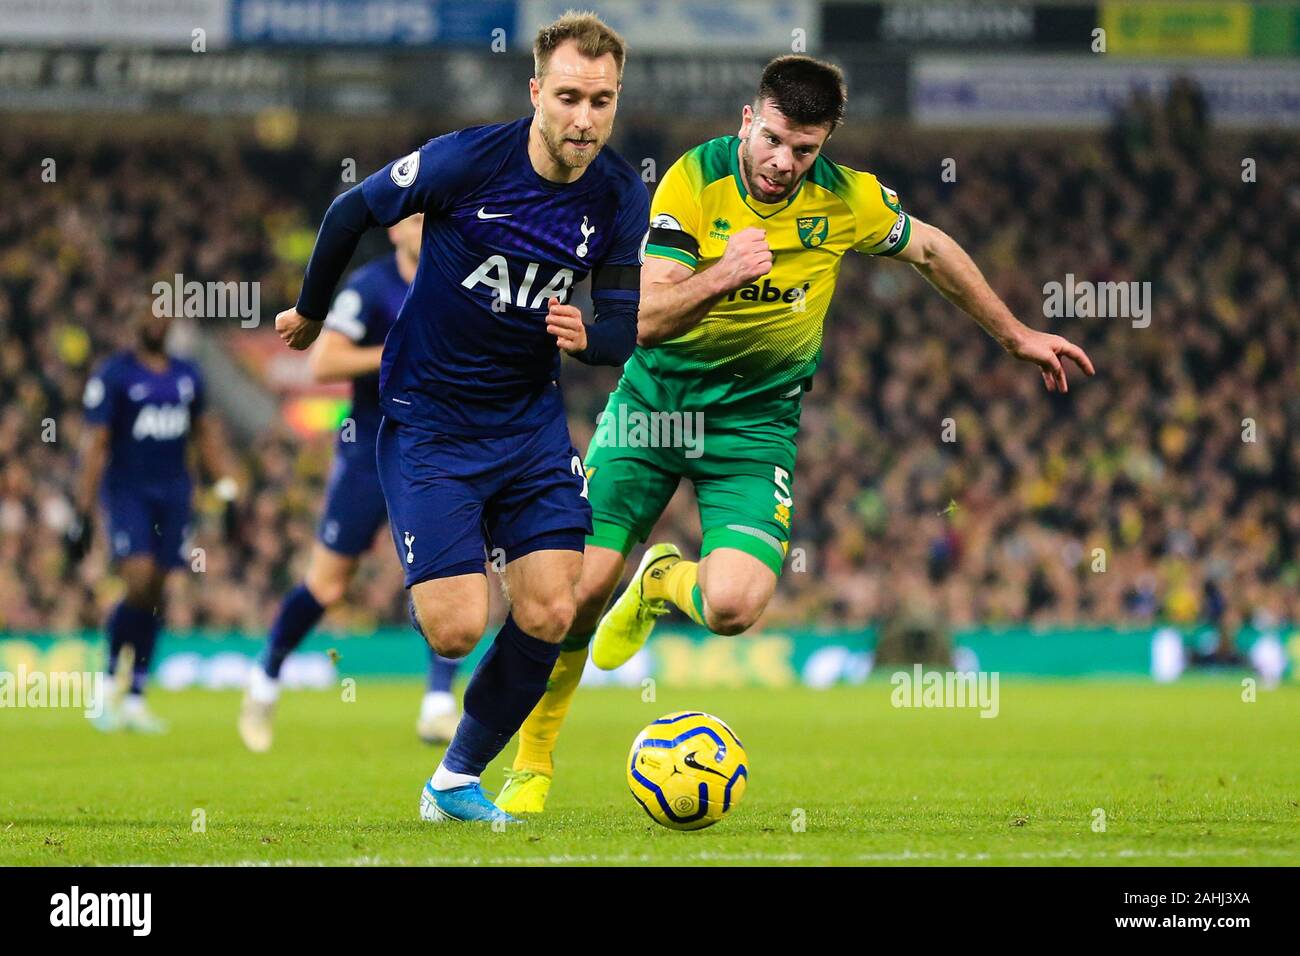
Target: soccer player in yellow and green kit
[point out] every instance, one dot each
(746, 238)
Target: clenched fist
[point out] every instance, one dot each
(296, 331)
(746, 258)
(565, 323)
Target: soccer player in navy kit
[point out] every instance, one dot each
(349, 350)
(474, 451)
(142, 409)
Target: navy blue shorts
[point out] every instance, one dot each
(354, 503)
(454, 500)
(149, 522)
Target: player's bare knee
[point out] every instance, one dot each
(547, 619)
(452, 646)
(451, 639)
(328, 575)
(325, 589)
(450, 635)
(731, 610)
(728, 621)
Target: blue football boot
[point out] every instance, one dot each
(460, 804)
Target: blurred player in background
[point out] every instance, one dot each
(716, 342)
(474, 449)
(349, 349)
(142, 408)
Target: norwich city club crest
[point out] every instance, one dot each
(813, 230)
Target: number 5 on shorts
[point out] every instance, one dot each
(784, 500)
(782, 493)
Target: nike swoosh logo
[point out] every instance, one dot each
(694, 764)
(492, 215)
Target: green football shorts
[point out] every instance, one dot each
(742, 475)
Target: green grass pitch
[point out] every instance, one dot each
(1185, 774)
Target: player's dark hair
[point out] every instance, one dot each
(808, 92)
(593, 36)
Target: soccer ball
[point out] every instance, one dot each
(687, 770)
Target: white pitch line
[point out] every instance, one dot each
(709, 856)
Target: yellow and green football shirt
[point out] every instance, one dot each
(759, 346)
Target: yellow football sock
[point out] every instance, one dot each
(540, 731)
(681, 586)
(653, 587)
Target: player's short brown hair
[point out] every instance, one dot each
(808, 92)
(593, 37)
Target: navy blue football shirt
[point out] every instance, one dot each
(148, 415)
(469, 353)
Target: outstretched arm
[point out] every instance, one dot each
(947, 267)
(346, 221)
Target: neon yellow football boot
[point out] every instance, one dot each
(627, 625)
(525, 792)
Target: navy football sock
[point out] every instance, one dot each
(144, 647)
(442, 671)
(506, 686)
(126, 625)
(299, 613)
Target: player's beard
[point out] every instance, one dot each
(751, 178)
(564, 154)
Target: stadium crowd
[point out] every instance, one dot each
(934, 472)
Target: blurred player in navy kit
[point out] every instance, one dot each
(142, 409)
(474, 450)
(349, 350)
